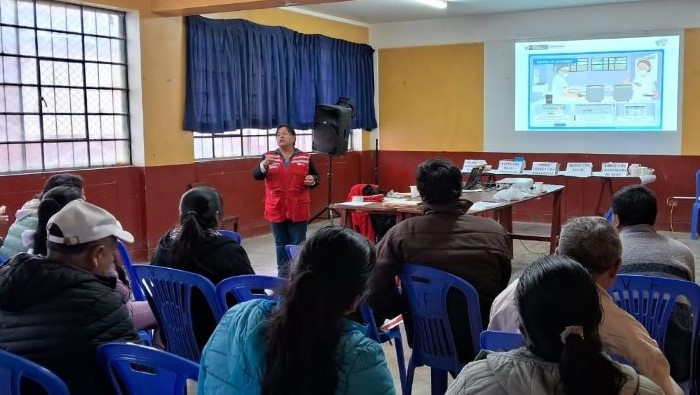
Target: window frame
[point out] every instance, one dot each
(240, 135)
(121, 137)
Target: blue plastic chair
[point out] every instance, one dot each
(13, 369)
(426, 289)
(145, 336)
(696, 208)
(383, 336)
(501, 341)
(650, 300)
(248, 287)
(145, 370)
(231, 235)
(609, 215)
(169, 293)
(292, 251)
(129, 268)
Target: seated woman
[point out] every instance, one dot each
(51, 203)
(196, 246)
(303, 344)
(560, 314)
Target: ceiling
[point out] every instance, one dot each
(386, 11)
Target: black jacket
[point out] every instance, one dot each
(218, 258)
(57, 315)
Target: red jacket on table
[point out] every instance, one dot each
(361, 222)
(286, 196)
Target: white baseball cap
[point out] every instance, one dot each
(80, 222)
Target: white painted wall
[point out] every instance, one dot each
(500, 31)
(133, 50)
(543, 24)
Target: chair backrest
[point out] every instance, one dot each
(144, 370)
(248, 287)
(129, 267)
(426, 289)
(292, 251)
(13, 369)
(169, 292)
(368, 318)
(656, 270)
(231, 235)
(697, 185)
(651, 299)
(501, 341)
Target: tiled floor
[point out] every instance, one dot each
(262, 256)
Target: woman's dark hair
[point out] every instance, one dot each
(331, 273)
(51, 203)
(63, 179)
(289, 128)
(554, 293)
(201, 210)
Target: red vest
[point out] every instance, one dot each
(286, 196)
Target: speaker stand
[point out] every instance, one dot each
(328, 210)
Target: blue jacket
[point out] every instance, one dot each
(234, 358)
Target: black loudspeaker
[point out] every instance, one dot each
(331, 129)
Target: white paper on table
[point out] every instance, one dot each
(472, 190)
(394, 199)
(357, 204)
(577, 175)
(401, 202)
(478, 206)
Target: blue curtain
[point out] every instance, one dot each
(244, 75)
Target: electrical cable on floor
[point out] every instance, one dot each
(530, 251)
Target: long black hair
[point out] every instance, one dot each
(556, 293)
(201, 210)
(331, 274)
(52, 202)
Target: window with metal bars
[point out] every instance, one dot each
(64, 99)
(251, 142)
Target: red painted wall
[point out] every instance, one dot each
(117, 189)
(146, 200)
(675, 177)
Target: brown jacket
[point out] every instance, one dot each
(445, 237)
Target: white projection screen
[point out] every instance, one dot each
(603, 95)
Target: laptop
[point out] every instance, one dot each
(474, 180)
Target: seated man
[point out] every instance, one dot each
(474, 248)
(594, 243)
(57, 310)
(644, 251)
(19, 236)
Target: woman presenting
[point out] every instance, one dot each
(288, 174)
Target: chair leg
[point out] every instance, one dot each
(402, 363)
(438, 381)
(694, 223)
(409, 377)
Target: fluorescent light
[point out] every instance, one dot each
(434, 3)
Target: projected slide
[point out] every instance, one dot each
(628, 84)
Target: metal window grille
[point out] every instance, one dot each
(64, 99)
(247, 142)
